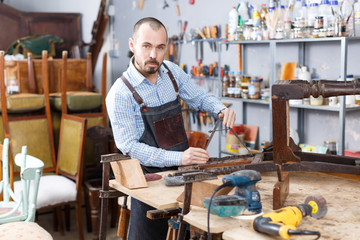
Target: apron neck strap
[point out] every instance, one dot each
(172, 79)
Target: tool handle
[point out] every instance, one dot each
(141, 4)
(177, 9)
(264, 225)
(123, 223)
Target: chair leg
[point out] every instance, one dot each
(79, 223)
(88, 209)
(114, 211)
(67, 217)
(58, 220)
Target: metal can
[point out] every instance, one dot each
(319, 22)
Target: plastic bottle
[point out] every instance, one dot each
(255, 16)
(304, 13)
(232, 23)
(225, 84)
(231, 88)
(325, 12)
(357, 18)
(296, 10)
(263, 12)
(332, 20)
(348, 14)
(304, 74)
(312, 13)
(244, 12)
(237, 91)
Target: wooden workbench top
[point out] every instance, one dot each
(342, 221)
(156, 194)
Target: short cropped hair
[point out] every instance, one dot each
(154, 23)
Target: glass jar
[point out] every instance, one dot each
(279, 34)
(298, 33)
(319, 22)
(254, 89)
(247, 31)
(322, 33)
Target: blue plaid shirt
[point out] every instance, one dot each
(125, 116)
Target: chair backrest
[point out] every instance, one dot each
(97, 117)
(71, 148)
(23, 205)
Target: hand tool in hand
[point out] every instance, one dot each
(246, 196)
(283, 222)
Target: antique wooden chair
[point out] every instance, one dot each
(27, 120)
(65, 188)
(22, 204)
(84, 103)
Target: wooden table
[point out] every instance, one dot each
(342, 194)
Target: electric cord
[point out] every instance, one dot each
(226, 184)
(304, 232)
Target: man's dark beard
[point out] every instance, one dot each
(151, 70)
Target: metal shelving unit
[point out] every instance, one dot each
(342, 109)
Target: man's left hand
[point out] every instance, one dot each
(228, 116)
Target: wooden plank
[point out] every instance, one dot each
(281, 191)
(129, 174)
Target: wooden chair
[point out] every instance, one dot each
(22, 207)
(85, 103)
(65, 188)
(27, 120)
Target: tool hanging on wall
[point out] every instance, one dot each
(177, 8)
(141, 4)
(165, 4)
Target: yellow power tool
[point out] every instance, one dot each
(283, 222)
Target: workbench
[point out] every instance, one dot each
(341, 222)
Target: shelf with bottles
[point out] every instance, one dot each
(293, 40)
(199, 40)
(205, 77)
(335, 108)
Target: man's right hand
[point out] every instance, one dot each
(194, 156)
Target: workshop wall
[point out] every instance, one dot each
(323, 59)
